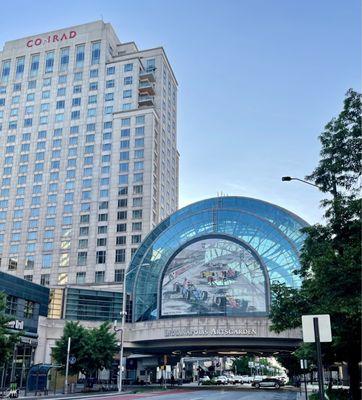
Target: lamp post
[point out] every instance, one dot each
(121, 329)
(289, 178)
(123, 314)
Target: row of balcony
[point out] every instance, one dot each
(146, 88)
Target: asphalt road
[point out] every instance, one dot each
(255, 394)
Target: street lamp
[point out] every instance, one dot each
(123, 314)
(289, 178)
(121, 329)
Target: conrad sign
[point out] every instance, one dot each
(178, 332)
(51, 39)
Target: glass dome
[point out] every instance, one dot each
(215, 257)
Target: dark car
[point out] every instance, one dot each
(268, 382)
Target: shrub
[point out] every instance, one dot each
(334, 394)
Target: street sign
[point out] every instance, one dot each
(324, 323)
(250, 364)
(72, 360)
(303, 364)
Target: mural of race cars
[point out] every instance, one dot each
(213, 276)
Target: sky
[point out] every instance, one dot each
(258, 81)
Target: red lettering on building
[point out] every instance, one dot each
(51, 39)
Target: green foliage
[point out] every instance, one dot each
(340, 156)
(8, 339)
(208, 383)
(334, 394)
(241, 365)
(331, 255)
(93, 348)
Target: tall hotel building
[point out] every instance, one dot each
(88, 154)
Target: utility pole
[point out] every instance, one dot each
(67, 368)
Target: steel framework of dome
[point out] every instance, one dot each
(215, 257)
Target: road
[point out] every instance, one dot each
(255, 394)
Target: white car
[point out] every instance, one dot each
(204, 379)
(222, 380)
(237, 379)
(246, 379)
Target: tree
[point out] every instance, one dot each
(241, 365)
(331, 255)
(8, 339)
(93, 348)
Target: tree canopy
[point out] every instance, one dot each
(93, 349)
(331, 255)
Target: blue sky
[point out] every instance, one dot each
(258, 80)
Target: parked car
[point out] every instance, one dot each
(246, 379)
(221, 380)
(204, 379)
(237, 379)
(282, 378)
(268, 382)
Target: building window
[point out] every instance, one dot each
(140, 120)
(101, 257)
(102, 242)
(128, 67)
(11, 305)
(96, 53)
(13, 264)
(64, 59)
(82, 243)
(29, 309)
(45, 279)
(102, 217)
(136, 226)
(119, 275)
(19, 67)
(122, 203)
(102, 229)
(121, 215)
(47, 261)
(99, 276)
(121, 227)
(80, 277)
(120, 256)
(79, 56)
(120, 240)
(136, 239)
(82, 257)
(34, 64)
(127, 94)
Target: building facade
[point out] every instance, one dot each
(26, 304)
(89, 161)
(199, 285)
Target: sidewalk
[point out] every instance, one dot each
(100, 394)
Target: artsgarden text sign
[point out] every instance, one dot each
(210, 332)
